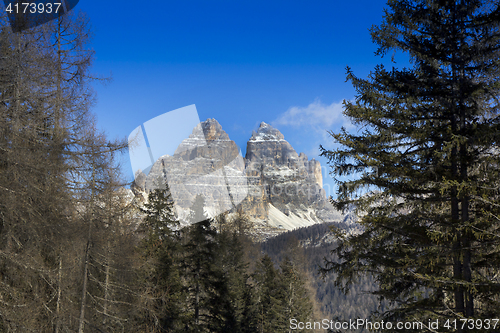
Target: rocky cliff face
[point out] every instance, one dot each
(206, 163)
(278, 188)
(285, 188)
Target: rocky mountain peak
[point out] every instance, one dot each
(267, 133)
(269, 146)
(212, 130)
(275, 186)
(208, 140)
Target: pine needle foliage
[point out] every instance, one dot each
(161, 274)
(423, 164)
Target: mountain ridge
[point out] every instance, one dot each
(277, 188)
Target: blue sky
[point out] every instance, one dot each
(240, 62)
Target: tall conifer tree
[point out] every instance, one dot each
(425, 156)
(200, 250)
(270, 296)
(163, 294)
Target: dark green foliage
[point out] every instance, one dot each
(201, 275)
(204, 284)
(280, 294)
(160, 221)
(215, 273)
(250, 316)
(271, 317)
(228, 303)
(163, 292)
(425, 159)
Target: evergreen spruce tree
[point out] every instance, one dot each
(229, 297)
(250, 319)
(270, 296)
(214, 272)
(199, 272)
(426, 157)
(163, 294)
(160, 222)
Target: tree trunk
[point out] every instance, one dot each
(106, 286)
(84, 290)
(87, 250)
(58, 306)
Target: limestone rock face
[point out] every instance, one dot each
(268, 146)
(207, 163)
(274, 185)
(208, 141)
(280, 178)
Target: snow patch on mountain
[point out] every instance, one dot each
(295, 219)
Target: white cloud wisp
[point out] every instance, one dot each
(317, 115)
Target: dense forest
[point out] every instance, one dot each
(76, 253)
(79, 254)
(315, 243)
